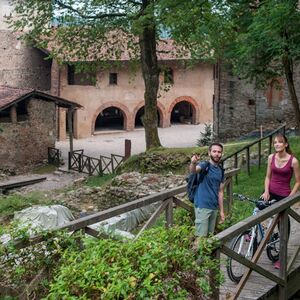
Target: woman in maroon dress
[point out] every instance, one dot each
(282, 165)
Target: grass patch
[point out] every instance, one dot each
(45, 169)
(99, 180)
(15, 202)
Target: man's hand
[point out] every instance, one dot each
(195, 158)
(222, 217)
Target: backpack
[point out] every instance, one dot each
(194, 179)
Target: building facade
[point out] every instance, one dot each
(114, 99)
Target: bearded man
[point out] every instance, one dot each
(210, 192)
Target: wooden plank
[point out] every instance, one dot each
(169, 213)
(153, 218)
(15, 184)
(182, 204)
(284, 236)
(294, 215)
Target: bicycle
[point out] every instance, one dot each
(247, 242)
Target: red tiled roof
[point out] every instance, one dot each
(10, 95)
(117, 42)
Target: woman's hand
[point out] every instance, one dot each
(265, 196)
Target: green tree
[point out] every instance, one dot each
(260, 39)
(99, 30)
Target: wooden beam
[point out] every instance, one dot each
(153, 218)
(182, 204)
(70, 128)
(255, 258)
(229, 252)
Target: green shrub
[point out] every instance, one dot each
(159, 265)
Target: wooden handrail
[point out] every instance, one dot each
(243, 225)
(255, 142)
(117, 210)
(281, 209)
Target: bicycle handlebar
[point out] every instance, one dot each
(259, 203)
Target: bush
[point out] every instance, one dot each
(159, 265)
(206, 137)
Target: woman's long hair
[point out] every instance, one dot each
(282, 138)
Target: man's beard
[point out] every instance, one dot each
(215, 160)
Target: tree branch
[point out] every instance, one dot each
(99, 16)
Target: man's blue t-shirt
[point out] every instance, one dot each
(208, 190)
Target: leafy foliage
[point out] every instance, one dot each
(159, 265)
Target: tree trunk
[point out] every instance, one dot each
(147, 42)
(290, 81)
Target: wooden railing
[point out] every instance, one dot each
(281, 209)
(77, 161)
(168, 198)
(246, 149)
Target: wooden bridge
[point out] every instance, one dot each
(269, 284)
(262, 281)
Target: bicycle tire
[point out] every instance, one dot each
(235, 270)
(273, 245)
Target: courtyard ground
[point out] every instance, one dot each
(106, 143)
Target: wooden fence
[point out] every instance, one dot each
(246, 150)
(77, 161)
(287, 281)
(168, 198)
(53, 156)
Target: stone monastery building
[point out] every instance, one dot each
(113, 98)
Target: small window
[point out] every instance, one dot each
(113, 78)
(81, 78)
(168, 76)
(251, 102)
(22, 112)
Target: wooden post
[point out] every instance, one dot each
(169, 213)
(70, 127)
(259, 154)
(127, 149)
(236, 166)
(248, 160)
(212, 276)
(270, 144)
(13, 114)
(283, 232)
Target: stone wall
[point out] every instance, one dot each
(240, 108)
(22, 66)
(25, 143)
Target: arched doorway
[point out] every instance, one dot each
(111, 118)
(138, 122)
(182, 113)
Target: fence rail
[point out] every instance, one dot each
(53, 156)
(280, 210)
(246, 149)
(79, 162)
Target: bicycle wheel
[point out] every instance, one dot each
(273, 245)
(242, 246)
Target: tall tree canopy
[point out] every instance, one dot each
(99, 30)
(260, 39)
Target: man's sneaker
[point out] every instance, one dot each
(277, 264)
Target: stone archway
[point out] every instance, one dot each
(138, 112)
(184, 110)
(110, 116)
